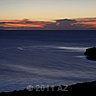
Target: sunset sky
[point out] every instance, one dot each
(47, 10)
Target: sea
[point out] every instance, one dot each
(46, 57)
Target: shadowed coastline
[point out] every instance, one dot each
(80, 89)
(91, 53)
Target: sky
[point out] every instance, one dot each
(48, 14)
(47, 9)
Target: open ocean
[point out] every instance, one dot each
(45, 58)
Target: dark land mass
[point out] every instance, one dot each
(80, 89)
(90, 53)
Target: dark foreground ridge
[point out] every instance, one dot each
(80, 89)
(90, 53)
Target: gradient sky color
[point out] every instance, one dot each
(47, 9)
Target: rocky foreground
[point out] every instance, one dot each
(80, 89)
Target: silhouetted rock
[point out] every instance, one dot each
(91, 53)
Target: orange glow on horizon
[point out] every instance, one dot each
(88, 23)
(9, 21)
(13, 24)
(23, 25)
(50, 25)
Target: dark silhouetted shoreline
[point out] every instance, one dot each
(80, 89)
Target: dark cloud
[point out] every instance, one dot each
(71, 24)
(1, 27)
(65, 24)
(51, 26)
(60, 24)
